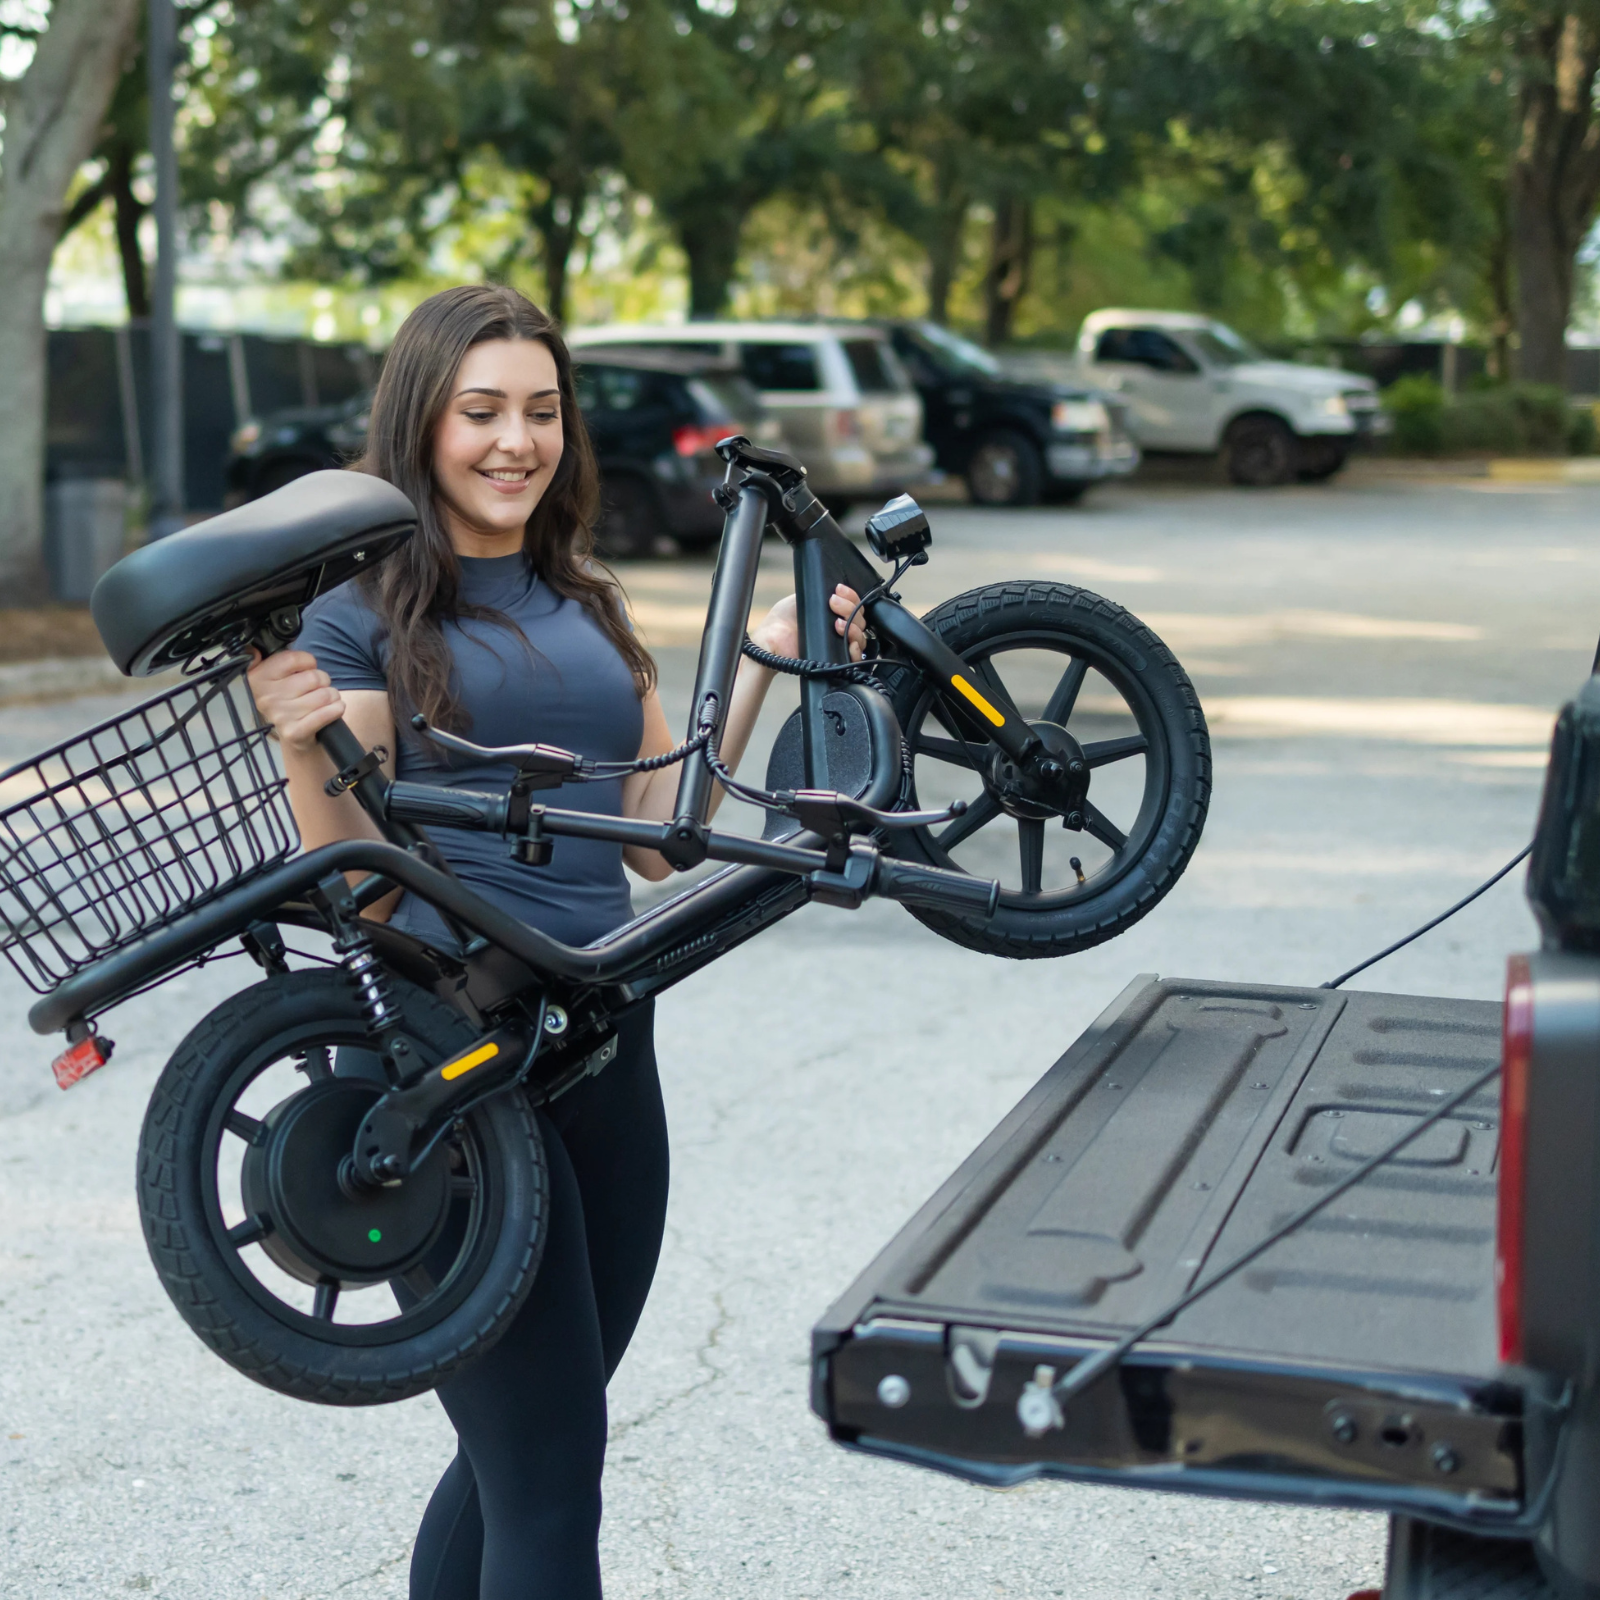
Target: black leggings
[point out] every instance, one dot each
(516, 1515)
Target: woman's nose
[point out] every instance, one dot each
(516, 438)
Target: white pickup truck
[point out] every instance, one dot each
(1194, 386)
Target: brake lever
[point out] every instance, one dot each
(541, 766)
(825, 811)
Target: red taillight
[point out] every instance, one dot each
(846, 426)
(77, 1061)
(1514, 1055)
(693, 439)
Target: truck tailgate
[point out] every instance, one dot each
(1353, 1363)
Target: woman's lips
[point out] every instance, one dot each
(507, 486)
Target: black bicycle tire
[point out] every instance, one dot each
(195, 1273)
(976, 618)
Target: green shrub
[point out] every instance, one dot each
(1417, 405)
(1582, 438)
(1508, 420)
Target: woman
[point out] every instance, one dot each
(492, 622)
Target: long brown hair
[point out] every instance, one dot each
(418, 588)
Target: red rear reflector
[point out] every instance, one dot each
(1514, 1055)
(80, 1059)
(695, 439)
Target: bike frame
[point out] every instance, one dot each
(765, 882)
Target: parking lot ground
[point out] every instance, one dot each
(1380, 662)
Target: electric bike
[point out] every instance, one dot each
(341, 1177)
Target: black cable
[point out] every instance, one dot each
(1400, 944)
(1096, 1366)
(600, 771)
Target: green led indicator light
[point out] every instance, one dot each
(374, 1235)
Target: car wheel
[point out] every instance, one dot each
(1260, 452)
(276, 474)
(1320, 459)
(630, 519)
(1005, 470)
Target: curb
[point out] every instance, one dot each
(1577, 469)
(64, 677)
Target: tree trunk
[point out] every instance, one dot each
(135, 288)
(53, 116)
(1555, 179)
(709, 235)
(1010, 262)
(944, 254)
(557, 222)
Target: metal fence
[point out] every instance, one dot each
(98, 407)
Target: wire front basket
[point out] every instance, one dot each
(126, 827)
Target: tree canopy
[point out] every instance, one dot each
(1304, 165)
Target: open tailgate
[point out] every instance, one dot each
(1352, 1364)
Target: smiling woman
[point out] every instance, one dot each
(494, 618)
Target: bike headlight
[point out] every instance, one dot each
(1078, 416)
(1334, 406)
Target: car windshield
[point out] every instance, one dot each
(955, 354)
(1222, 347)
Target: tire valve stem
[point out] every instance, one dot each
(1077, 867)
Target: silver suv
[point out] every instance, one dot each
(844, 402)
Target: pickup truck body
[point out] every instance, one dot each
(1356, 1364)
(1193, 386)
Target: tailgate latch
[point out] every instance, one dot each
(1038, 1410)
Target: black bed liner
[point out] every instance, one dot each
(1185, 1124)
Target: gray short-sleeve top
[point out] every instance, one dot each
(561, 682)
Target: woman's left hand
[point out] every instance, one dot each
(779, 631)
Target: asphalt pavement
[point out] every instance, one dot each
(1380, 663)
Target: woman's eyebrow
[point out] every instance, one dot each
(500, 394)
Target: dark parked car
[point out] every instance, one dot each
(1016, 442)
(654, 417)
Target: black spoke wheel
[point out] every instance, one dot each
(1100, 689)
(297, 1277)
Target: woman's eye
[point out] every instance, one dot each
(544, 418)
(479, 416)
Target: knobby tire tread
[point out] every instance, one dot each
(956, 621)
(167, 1237)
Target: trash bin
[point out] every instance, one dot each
(84, 523)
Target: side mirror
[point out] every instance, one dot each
(900, 531)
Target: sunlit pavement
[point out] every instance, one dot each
(1380, 663)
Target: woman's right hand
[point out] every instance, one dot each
(294, 695)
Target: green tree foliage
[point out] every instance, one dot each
(1314, 163)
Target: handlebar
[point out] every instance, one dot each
(913, 884)
(432, 806)
(906, 881)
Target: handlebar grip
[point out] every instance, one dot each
(447, 808)
(933, 886)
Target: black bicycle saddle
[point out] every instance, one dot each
(228, 578)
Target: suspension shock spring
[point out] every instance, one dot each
(370, 979)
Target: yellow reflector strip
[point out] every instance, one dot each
(977, 699)
(455, 1069)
